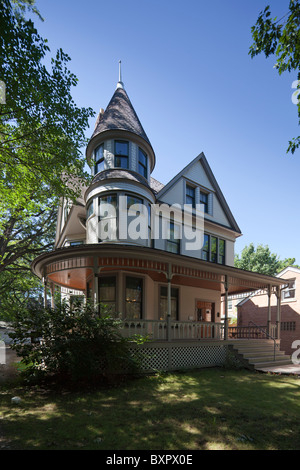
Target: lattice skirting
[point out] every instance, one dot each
(175, 356)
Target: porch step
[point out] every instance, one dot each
(257, 354)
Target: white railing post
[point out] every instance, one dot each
(226, 308)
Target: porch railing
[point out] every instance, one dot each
(168, 330)
(172, 330)
(251, 331)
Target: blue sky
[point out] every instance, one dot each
(187, 71)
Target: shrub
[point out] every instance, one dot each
(72, 342)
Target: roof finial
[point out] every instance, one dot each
(120, 84)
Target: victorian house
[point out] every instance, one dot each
(124, 245)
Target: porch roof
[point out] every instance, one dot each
(71, 266)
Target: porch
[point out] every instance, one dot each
(164, 295)
(172, 345)
(186, 328)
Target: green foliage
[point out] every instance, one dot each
(282, 39)
(19, 288)
(21, 6)
(261, 260)
(42, 134)
(73, 343)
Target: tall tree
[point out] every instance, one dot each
(280, 37)
(20, 7)
(261, 260)
(42, 132)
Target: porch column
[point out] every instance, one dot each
(226, 308)
(96, 283)
(169, 278)
(45, 292)
(269, 310)
(278, 317)
(52, 294)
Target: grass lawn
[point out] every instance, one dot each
(208, 409)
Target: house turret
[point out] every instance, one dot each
(121, 159)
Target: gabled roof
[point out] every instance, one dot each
(120, 115)
(202, 159)
(292, 269)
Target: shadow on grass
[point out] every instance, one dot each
(194, 410)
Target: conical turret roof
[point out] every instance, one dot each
(120, 115)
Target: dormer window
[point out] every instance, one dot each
(99, 159)
(121, 154)
(143, 164)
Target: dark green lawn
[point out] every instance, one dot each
(196, 410)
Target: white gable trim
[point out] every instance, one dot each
(214, 188)
(289, 268)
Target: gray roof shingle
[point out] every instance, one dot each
(120, 115)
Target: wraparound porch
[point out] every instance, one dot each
(81, 268)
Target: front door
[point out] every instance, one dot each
(206, 313)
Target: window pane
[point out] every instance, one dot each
(90, 210)
(204, 200)
(143, 170)
(99, 159)
(107, 295)
(142, 157)
(222, 251)
(142, 167)
(289, 292)
(121, 148)
(99, 166)
(205, 249)
(213, 254)
(173, 247)
(190, 195)
(107, 289)
(134, 297)
(190, 191)
(121, 162)
(173, 242)
(111, 199)
(131, 200)
(164, 303)
(99, 152)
